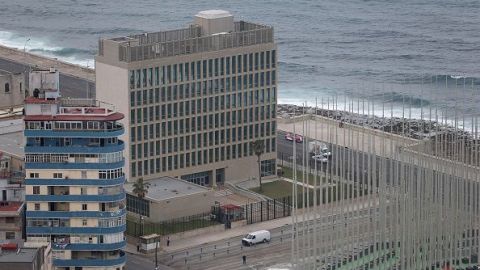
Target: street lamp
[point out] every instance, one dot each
(141, 224)
(25, 45)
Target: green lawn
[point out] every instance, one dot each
(276, 189)
(288, 173)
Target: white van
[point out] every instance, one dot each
(253, 238)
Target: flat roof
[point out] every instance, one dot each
(10, 206)
(213, 14)
(25, 255)
(165, 188)
(11, 138)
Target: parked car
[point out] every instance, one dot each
(298, 138)
(289, 137)
(321, 158)
(254, 238)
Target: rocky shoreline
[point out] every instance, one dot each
(413, 128)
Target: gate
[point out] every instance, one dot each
(268, 210)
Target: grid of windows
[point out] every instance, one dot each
(200, 112)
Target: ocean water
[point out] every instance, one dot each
(414, 54)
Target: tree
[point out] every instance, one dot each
(258, 147)
(140, 189)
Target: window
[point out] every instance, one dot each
(83, 191)
(84, 174)
(36, 190)
(9, 220)
(37, 207)
(7, 87)
(84, 207)
(57, 175)
(84, 222)
(34, 175)
(9, 235)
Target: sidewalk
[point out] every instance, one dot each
(355, 137)
(186, 243)
(30, 59)
(181, 244)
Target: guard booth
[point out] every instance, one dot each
(149, 242)
(226, 214)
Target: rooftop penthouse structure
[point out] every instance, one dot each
(195, 99)
(74, 180)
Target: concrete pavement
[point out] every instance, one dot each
(352, 136)
(31, 59)
(72, 86)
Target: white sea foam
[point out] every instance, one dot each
(41, 47)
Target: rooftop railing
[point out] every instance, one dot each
(86, 106)
(187, 41)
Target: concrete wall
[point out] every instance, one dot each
(181, 206)
(16, 90)
(112, 87)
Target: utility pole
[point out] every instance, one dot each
(156, 253)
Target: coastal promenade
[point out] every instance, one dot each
(355, 137)
(33, 60)
(76, 81)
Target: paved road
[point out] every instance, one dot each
(227, 253)
(136, 262)
(70, 86)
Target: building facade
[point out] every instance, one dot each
(11, 222)
(74, 180)
(12, 89)
(195, 98)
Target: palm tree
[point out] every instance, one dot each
(140, 189)
(258, 147)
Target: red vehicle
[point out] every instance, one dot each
(289, 137)
(297, 138)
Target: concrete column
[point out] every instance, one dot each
(214, 178)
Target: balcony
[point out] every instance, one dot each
(91, 262)
(88, 246)
(114, 131)
(76, 166)
(76, 230)
(74, 149)
(109, 213)
(76, 198)
(76, 182)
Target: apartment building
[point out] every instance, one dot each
(74, 180)
(195, 98)
(11, 222)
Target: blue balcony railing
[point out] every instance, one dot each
(73, 133)
(75, 149)
(79, 214)
(75, 182)
(75, 230)
(75, 166)
(96, 247)
(91, 262)
(76, 198)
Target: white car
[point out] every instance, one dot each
(325, 152)
(253, 238)
(321, 158)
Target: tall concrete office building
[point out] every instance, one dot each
(74, 179)
(195, 98)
